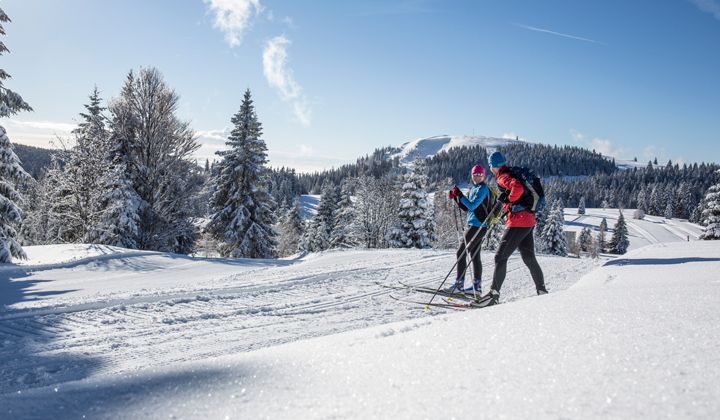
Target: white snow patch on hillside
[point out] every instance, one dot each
(430, 146)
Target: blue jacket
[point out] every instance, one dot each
(475, 197)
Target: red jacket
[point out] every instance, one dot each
(523, 218)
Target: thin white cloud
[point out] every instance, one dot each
(603, 146)
(547, 31)
(233, 17)
(302, 158)
(512, 135)
(280, 77)
(708, 6)
(44, 134)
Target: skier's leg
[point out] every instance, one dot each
(527, 251)
(462, 263)
(508, 244)
(475, 253)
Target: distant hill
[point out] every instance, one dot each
(35, 160)
(431, 146)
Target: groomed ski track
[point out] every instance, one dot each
(122, 311)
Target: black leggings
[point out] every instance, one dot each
(522, 239)
(474, 250)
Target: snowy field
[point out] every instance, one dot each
(650, 230)
(104, 332)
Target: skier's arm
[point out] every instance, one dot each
(472, 205)
(516, 189)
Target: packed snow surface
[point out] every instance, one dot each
(109, 333)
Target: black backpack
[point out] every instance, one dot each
(533, 198)
(489, 208)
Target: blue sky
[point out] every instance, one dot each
(333, 80)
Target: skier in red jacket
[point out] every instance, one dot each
(519, 233)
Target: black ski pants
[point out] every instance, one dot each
(520, 238)
(473, 239)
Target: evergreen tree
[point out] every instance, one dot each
(290, 231)
(642, 199)
(343, 231)
(593, 250)
(241, 207)
(77, 186)
(11, 170)
(319, 233)
(669, 210)
(710, 217)
(414, 229)
(602, 235)
(656, 201)
(553, 234)
(117, 219)
(619, 242)
(638, 214)
(585, 239)
(540, 220)
(581, 206)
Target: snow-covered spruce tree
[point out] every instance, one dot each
(343, 231)
(290, 231)
(77, 186)
(593, 250)
(581, 206)
(642, 199)
(553, 233)
(620, 241)
(414, 218)
(602, 235)
(241, 219)
(638, 214)
(319, 233)
(669, 210)
(117, 217)
(710, 216)
(585, 239)
(34, 228)
(160, 169)
(11, 170)
(540, 220)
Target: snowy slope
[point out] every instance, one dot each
(619, 344)
(430, 146)
(650, 230)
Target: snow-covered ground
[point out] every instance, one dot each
(650, 230)
(110, 333)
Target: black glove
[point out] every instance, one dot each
(503, 197)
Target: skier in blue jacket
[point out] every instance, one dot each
(477, 206)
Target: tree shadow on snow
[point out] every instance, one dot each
(177, 394)
(659, 261)
(29, 356)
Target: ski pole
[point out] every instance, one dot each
(462, 256)
(464, 240)
(487, 235)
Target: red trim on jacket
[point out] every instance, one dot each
(523, 218)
